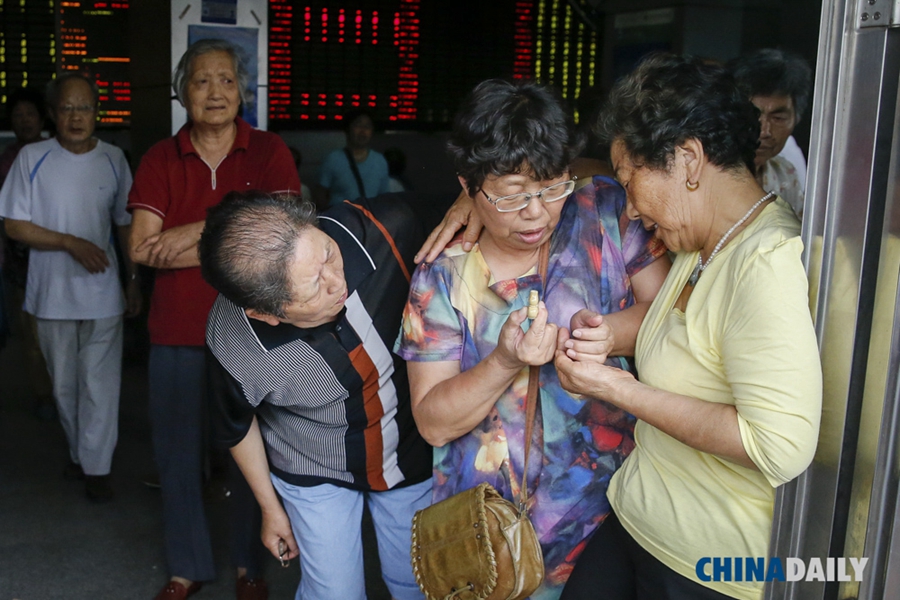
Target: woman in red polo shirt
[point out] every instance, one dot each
(216, 152)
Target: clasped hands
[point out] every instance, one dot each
(579, 351)
(590, 340)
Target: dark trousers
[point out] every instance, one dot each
(178, 417)
(614, 567)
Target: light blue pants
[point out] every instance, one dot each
(326, 520)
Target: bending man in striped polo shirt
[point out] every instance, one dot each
(307, 393)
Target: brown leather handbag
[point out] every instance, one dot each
(476, 545)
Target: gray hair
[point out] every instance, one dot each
(185, 68)
(55, 85)
(248, 245)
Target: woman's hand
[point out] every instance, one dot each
(461, 214)
(589, 378)
(276, 531)
(517, 348)
(592, 339)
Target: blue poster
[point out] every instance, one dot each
(245, 39)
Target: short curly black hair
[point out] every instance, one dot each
(772, 72)
(669, 99)
(504, 127)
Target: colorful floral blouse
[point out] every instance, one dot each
(455, 312)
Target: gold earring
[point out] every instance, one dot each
(692, 186)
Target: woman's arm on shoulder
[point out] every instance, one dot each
(460, 214)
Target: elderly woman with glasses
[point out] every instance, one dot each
(465, 335)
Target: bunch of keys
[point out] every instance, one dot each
(533, 300)
(281, 550)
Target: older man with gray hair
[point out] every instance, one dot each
(315, 407)
(61, 198)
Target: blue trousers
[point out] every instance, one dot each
(178, 420)
(326, 521)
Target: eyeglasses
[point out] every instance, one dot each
(515, 202)
(71, 110)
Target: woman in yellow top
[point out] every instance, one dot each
(729, 388)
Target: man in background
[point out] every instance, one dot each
(778, 83)
(307, 392)
(62, 198)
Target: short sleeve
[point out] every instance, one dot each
(230, 413)
(120, 213)
(640, 247)
(15, 196)
(151, 190)
(430, 329)
(772, 363)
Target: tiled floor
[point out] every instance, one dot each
(57, 545)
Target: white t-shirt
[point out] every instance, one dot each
(78, 194)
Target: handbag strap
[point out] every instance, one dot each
(356, 175)
(534, 384)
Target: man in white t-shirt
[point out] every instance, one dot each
(61, 198)
(778, 83)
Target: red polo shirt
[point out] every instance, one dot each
(174, 183)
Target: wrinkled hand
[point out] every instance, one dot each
(537, 346)
(276, 527)
(164, 247)
(133, 299)
(591, 339)
(461, 214)
(589, 378)
(87, 254)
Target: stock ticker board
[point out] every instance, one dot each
(93, 38)
(410, 62)
(39, 39)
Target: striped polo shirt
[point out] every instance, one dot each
(332, 401)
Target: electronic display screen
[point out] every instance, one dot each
(92, 38)
(408, 62)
